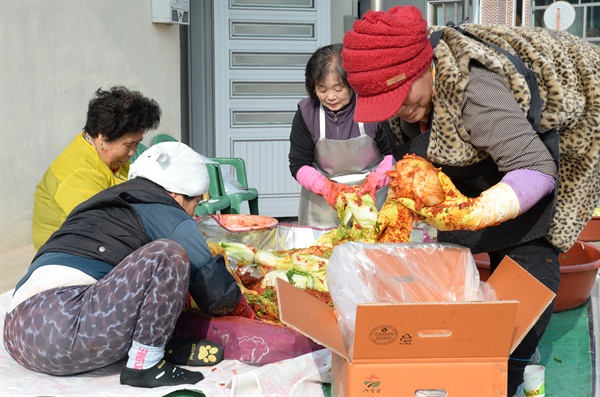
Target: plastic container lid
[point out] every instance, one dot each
(245, 223)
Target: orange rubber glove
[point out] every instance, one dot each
(495, 205)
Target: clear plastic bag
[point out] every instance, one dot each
(231, 185)
(400, 273)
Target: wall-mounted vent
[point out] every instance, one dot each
(171, 11)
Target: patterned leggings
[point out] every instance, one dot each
(65, 331)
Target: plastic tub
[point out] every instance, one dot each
(245, 223)
(256, 230)
(578, 269)
(591, 231)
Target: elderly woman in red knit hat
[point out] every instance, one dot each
(329, 150)
(459, 97)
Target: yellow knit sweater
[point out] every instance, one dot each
(74, 176)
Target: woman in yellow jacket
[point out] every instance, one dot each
(96, 159)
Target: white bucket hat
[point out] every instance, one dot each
(174, 166)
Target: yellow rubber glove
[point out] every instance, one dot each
(458, 212)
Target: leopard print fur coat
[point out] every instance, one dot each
(568, 74)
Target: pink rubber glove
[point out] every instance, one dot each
(378, 178)
(332, 190)
(313, 180)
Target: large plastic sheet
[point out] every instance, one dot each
(251, 341)
(257, 342)
(360, 273)
(280, 237)
(285, 236)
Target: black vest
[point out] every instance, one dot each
(106, 227)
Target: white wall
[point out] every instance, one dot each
(53, 57)
(339, 9)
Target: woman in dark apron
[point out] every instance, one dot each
(329, 151)
(473, 109)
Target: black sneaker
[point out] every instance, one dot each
(162, 374)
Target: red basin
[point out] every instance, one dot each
(578, 269)
(245, 223)
(591, 231)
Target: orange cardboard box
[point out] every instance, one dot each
(452, 349)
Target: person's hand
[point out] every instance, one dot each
(243, 309)
(370, 185)
(331, 191)
(458, 212)
(377, 179)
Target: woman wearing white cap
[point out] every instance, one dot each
(112, 281)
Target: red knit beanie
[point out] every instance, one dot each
(384, 53)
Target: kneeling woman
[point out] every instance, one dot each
(112, 281)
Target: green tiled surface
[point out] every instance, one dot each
(565, 350)
(566, 354)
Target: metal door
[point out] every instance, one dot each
(261, 50)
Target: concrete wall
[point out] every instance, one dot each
(53, 56)
(339, 10)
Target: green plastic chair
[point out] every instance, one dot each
(236, 199)
(249, 194)
(140, 149)
(158, 138)
(218, 200)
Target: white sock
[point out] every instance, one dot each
(144, 357)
